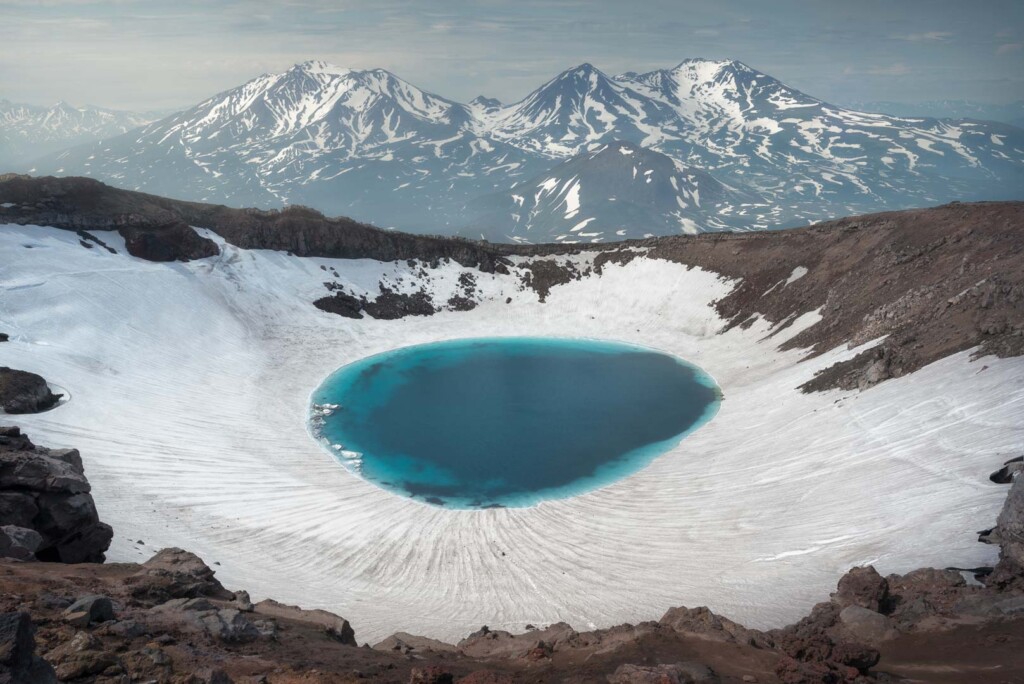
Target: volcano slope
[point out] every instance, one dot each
(870, 369)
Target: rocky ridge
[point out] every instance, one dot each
(46, 510)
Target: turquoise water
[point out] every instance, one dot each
(508, 421)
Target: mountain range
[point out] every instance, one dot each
(28, 132)
(706, 145)
(1011, 112)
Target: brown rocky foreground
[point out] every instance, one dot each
(169, 620)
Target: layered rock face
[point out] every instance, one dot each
(46, 510)
(24, 392)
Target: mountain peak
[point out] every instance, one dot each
(709, 69)
(319, 66)
(485, 101)
(584, 71)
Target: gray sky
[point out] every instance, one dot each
(157, 54)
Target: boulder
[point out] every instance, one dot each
(229, 626)
(924, 592)
(38, 471)
(173, 241)
(17, 508)
(702, 622)
(82, 656)
(19, 543)
(45, 490)
(337, 628)
(867, 626)
(123, 629)
(94, 609)
(678, 673)
(243, 602)
(862, 587)
(174, 573)
(18, 660)
(24, 392)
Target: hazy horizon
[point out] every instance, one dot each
(157, 55)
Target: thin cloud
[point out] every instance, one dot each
(1008, 48)
(926, 37)
(898, 69)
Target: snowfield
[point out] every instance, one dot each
(190, 390)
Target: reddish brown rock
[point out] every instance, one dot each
(862, 587)
(432, 674)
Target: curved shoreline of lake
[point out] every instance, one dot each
(508, 421)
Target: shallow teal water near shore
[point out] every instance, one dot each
(509, 421)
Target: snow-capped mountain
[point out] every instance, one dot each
(372, 146)
(362, 143)
(28, 132)
(617, 192)
(581, 107)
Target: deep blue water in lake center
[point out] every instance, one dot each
(508, 421)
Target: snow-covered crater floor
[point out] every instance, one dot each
(191, 385)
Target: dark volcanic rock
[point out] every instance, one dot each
(173, 242)
(24, 392)
(341, 303)
(20, 543)
(543, 274)
(89, 609)
(4, 337)
(18, 661)
(391, 305)
(1009, 471)
(45, 491)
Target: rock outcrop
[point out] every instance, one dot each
(46, 510)
(1009, 534)
(24, 392)
(19, 663)
(175, 241)
(175, 574)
